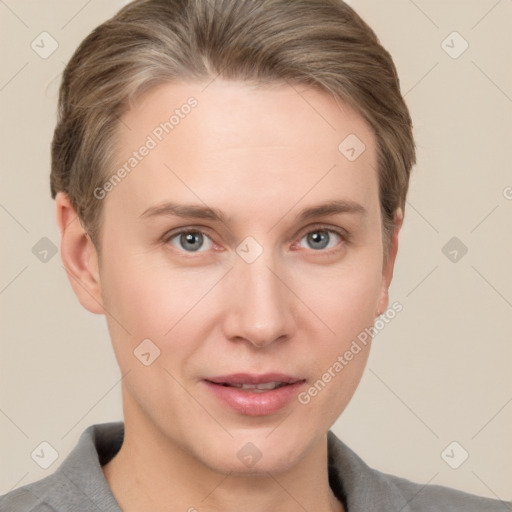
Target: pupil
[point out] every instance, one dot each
(193, 238)
(319, 237)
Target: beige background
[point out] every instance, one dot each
(440, 372)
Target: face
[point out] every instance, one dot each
(251, 285)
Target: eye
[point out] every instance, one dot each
(189, 240)
(322, 238)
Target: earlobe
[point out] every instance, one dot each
(79, 256)
(389, 263)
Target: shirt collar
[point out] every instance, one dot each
(365, 488)
(82, 482)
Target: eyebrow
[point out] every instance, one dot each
(334, 207)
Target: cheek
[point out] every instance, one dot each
(345, 298)
(149, 298)
(136, 304)
(346, 303)
(348, 308)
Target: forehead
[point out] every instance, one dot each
(275, 114)
(232, 141)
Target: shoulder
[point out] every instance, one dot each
(78, 483)
(365, 488)
(436, 498)
(54, 493)
(27, 498)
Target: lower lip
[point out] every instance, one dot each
(255, 403)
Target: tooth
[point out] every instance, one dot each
(268, 385)
(261, 387)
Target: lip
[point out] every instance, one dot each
(254, 403)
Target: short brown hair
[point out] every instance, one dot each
(320, 43)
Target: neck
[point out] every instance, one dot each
(151, 472)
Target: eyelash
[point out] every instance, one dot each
(345, 237)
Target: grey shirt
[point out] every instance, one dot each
(78, 484)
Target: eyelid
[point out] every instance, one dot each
(185, 229)
(326, 227)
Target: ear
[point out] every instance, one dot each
(389, 263)
(79, 256)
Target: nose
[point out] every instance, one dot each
(260, 305)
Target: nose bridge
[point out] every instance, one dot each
(260, 302)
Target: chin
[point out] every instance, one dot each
(276, 464)
(257, 452)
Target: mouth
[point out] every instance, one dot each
(254, 382)
(254, 388)
(255, 395)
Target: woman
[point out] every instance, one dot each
(270, 137)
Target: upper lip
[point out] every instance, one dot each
(252, 378)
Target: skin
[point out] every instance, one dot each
(261, 155)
